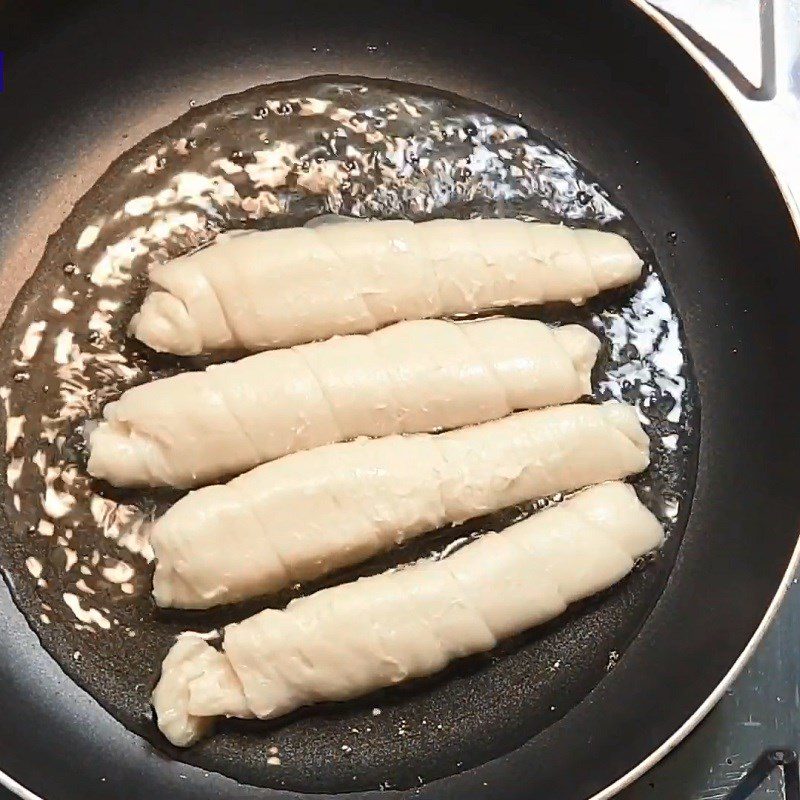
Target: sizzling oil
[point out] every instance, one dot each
(75, 550)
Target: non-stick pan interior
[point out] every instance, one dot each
(636, 114)
(359, 147)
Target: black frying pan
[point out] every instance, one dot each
(607, 84)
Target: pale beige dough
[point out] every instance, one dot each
(348, 640)
(411, 377)
(310, 513)
(266, 289)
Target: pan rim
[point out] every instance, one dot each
(644, 766)
(728, 92)
(17, 788)
(708, 704)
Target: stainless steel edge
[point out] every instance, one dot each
(17, 788)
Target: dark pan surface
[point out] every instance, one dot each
(458, 161)
(631, 108)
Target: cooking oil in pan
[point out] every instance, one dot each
(75, 550)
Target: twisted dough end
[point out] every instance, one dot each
(626, 419)
(195, 676)
(175, 581)
(116, 455)
(170, 588)
(164, 323)
(611, 258)
(582, 347)
(184, 662)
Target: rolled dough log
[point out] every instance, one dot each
(411, 377)
(259, 290)
(310, 513)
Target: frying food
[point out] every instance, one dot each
(411, 377)
(277, 288)
(353, 638)
(310, 513)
